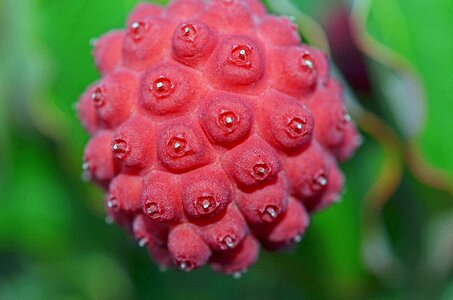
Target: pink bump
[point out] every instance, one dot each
(113, 98)
(239, 61)
(161, 197)
(229, 16)
(226, 118)
(131, 144)
(108, 50)
(264, 205)
(226, 233)
(98, 161)
(237, 261)
(193, 41)
(168, 89)
(308, 172)
(331, 117)
(187, 249)
(124, 193)
(182, 146)
(252, 163)
(294, 71)
(143, 11)
(285, 123)
(288, 230)
(206, 192)
(279, 31)
(145, 42)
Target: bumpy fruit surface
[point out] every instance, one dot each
(215, 131)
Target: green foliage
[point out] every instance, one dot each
(421, 32)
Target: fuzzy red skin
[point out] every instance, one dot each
(187, 248)
(213, 127)
(161, 197)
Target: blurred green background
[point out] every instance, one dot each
(390, 238)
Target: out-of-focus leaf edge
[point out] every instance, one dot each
(371, 47)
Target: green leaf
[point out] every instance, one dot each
(421, 32)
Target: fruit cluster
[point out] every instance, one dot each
(214, 130)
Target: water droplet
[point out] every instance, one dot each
(162, 87)
(297, 238)
(228, 120)
(93, 42)
(228, 242)
(238, 274)
(296, 127)
(319, 181)
(85, 166)
(113, 203)
(177, 146)
(108, 220)
(188, 32)
(120, 149)
(206, 204)
(143, 241)
(270, 213)
(261, 171)
(344, 118)
(307, 62)
(185, 265)
(88, 170)
(152, 209)
(137, 30)
(240, 55)
(98, 97)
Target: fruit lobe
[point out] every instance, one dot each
(214, 130)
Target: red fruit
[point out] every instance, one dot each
(107, 51)
(145, 42)
(205, 192)
(330, 114)
(238, 260)
(256, 7)
(332, 191)
(227, 232)
(252, 163)
(294, 71)
(182, 146)
(226, 118)
(113, 98)
(142, 11)
(161, 197)
(124, 193)
(98, 162)
(153, 236)
(287, 230)
(187, 249)
(193, 41)
(228, 16)
(308, 172)
(213, 127)
(285, 123)
(167, 89)
(266, 204)
(351, 140)
(280, 31)
(183, 9)
(238, 62)
(87, 112)
(132, 144)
